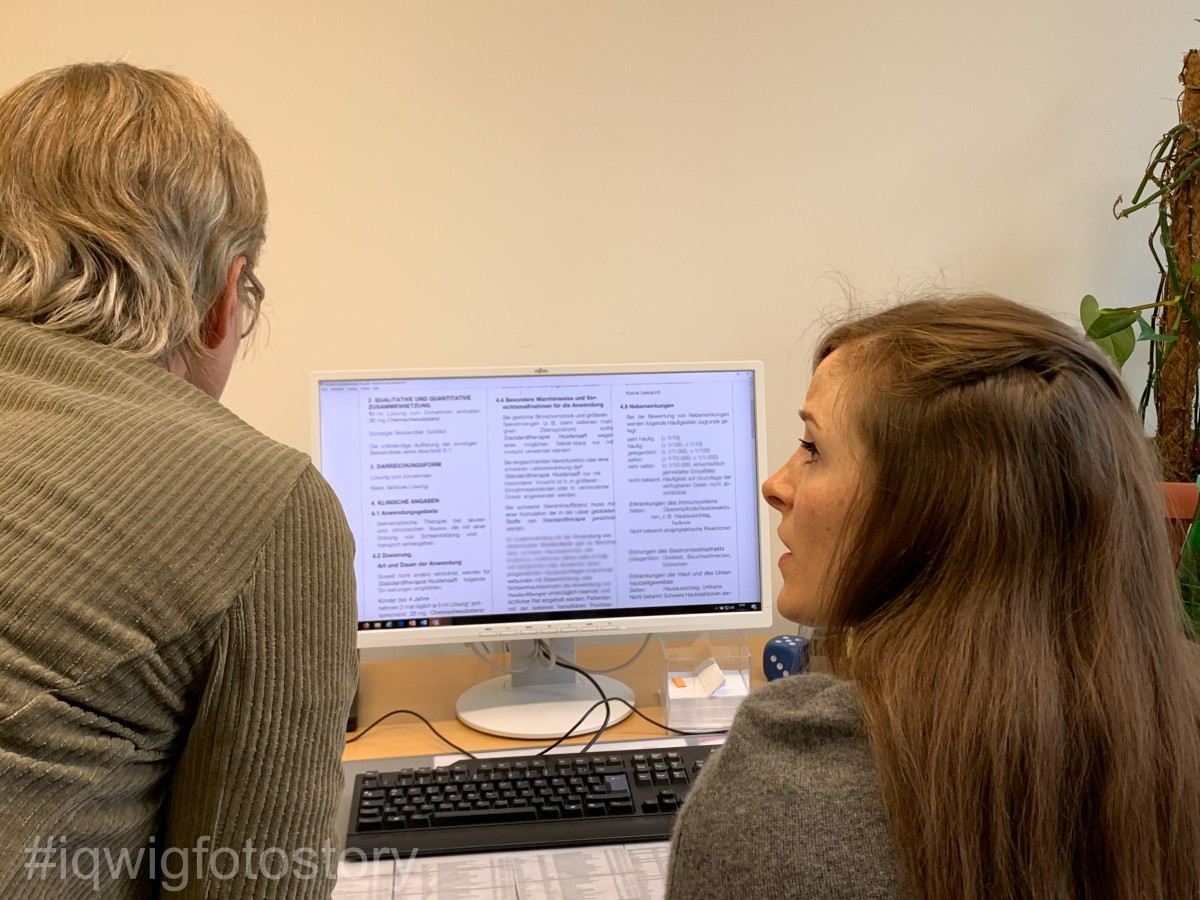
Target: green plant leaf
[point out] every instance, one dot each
(1117, 345)
(1146, 333)
(1089, 308)
(1120, 346)
(1110, 321)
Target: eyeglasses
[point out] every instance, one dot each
(257, 293)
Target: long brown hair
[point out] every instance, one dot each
(1008, 609)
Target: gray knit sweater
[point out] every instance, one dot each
(790, 807)
(176, 637)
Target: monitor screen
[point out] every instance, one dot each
(549, 502)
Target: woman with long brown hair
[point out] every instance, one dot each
(973, 520)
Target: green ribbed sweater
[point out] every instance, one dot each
(176, 635)
(790, 807)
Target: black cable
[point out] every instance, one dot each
(637, 712)
(570, 731)
(409, 712)
(633, 709)
(604, 698)
(604, 701)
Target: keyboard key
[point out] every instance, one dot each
(616, 784)
(486, 816)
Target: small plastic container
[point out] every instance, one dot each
(689, 676)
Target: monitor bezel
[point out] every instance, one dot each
(600, 625)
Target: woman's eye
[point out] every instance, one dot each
(811, 449)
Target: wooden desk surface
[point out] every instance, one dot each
(430, 685)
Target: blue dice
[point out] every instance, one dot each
(785, 654)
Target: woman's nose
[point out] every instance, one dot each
(777, 491)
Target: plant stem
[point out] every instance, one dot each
(1192, 166)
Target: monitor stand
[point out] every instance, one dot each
(540, 701)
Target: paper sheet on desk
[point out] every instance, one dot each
(609, 872)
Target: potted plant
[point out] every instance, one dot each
(1170, 186)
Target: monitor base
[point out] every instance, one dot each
(540, 711)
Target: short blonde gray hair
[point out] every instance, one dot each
(125, 195)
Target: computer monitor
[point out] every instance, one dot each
(545, 504)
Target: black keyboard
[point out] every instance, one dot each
(522, 802)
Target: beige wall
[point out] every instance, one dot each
(551, 181)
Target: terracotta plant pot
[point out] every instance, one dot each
(1181, 500)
